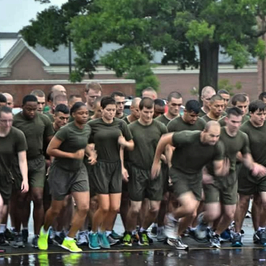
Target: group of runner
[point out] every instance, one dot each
(81, 163)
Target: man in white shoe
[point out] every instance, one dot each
(185, 171)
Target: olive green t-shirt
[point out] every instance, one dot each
(105, 136)
(207, 118)
(191, 155)
(122, 117)
(163, 119)
(146, 138)
(257, 141)
(50, 116)
(126, 120)
(178, 124)
(10, 146)
(232, 145)
(201, 113)
(35, 131)
(73, 139)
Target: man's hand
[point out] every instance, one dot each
(258, 170)
(155, 170)
(125, 174)
(207, 179)
(122, 141)
(79, 154)
(24, 186)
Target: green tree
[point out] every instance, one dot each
(189, 33)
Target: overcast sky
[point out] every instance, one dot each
(15, 14)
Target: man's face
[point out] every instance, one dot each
(59, 89)
(233, 124)
(61, 119)
(109, 112)
(190, 117)
(135, 111)
(212, 136)
(10, 101)
(40, 104)
(243, 106)
(81, 115)
(158, 110)
(174, 106)
(91, 96)
(257, 118)
(146, 115)
(217, 107)
(29, 110)
(206, 99)
(6, 121)
(226, 98)
(120, 104)
(74, 100)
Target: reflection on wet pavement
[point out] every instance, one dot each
(197, 257)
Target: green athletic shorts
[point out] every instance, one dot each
(183, 182)
(248, 184)
(106, 178)
(63, 182)
(223, 189)
(36, 172)
(141, 185)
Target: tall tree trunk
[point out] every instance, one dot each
(209, 59)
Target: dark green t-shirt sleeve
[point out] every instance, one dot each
(245, 149)
(21, 141)
(126, 131)
(61, 134)
(48, 131)
(219, 151)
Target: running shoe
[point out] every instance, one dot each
(103, 241)
(43, 239)
(82, 238)
(215, 241)
(236, 240)
(93, 241)
(71, 246)
(177, 243)
(143, 238)
(127, 239)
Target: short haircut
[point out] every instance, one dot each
(262, 96)
(76, 106)
(216, 97)
(38, 93)
(107, 100)
(206, 90)
(239, 97)
(146, 102)
(93, 86)
(5, 109)
(117, 93)
(159, 102)
(29, 98)
(136, 101)
(234, 111)
(193, 106)
(150, 89)
(223, 92)
(174, 94)
(74, 96)
(211, 123)
(59, 97)
(256, 105)
(2, 98)
(62, 108)
(50, 96)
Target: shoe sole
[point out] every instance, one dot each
(77, 251)
(143, 244)
(126, 245)
(215, 246)
(95, 248)
(173, 245)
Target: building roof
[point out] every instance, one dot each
(9, 35)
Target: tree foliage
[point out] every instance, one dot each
(189, 33)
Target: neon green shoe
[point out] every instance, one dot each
(43, 239)
(70, 245)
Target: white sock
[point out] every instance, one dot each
(69, 238)
(260, 228)
(108, 233)
(2, 228)
(142, 229)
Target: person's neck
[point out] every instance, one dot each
(4, 132)
(78, 125)
(131, 118)
(144, 123)
(229, 133)
(253, 124)
(56, 127)
(205, 109)
(119, 115)
(170, 116)
(212, 117)
(107, 121)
